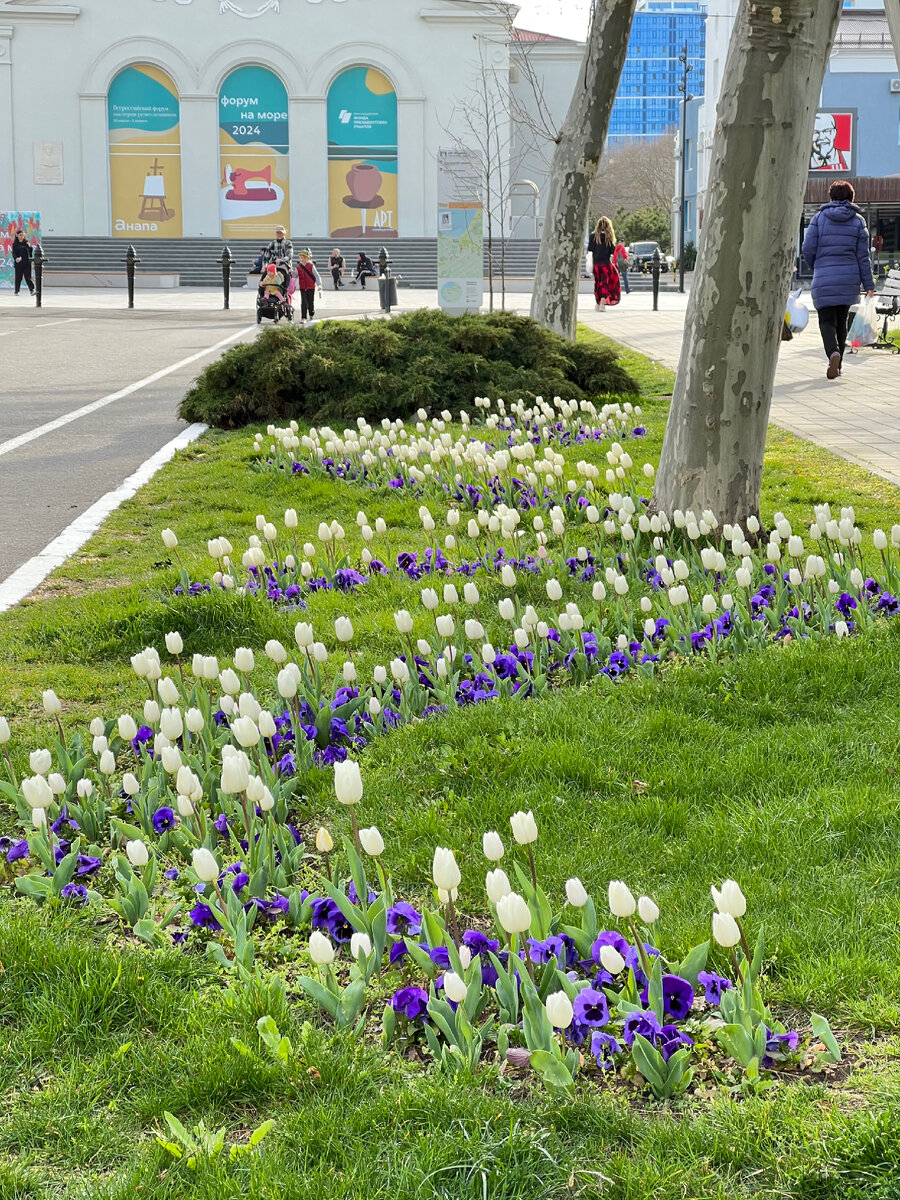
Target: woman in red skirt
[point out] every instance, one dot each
(602, 247)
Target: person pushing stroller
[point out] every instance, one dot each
(273, 299)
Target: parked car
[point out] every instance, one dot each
(640, 257)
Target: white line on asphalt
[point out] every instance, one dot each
(24, 438)
(42, 325)
(26, 578)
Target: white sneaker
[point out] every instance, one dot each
(596, 308)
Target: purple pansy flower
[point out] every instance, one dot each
(410, 1002)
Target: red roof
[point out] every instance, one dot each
(530, 35)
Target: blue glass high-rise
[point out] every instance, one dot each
(647, 103)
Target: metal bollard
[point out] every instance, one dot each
(387, 288)
(131, 259)
(654, 271)
(39, 261)
(226, 261)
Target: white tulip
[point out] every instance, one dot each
(454, 987)
(52, 706)
(559, 1010)
(471, 593)
(204, 863)
(488, 654)
(343, 629)
(371, 841)
(321, 951)
(429, 600)
(290, 518)
(508, 576)
(235, 774)
(445, 625)
(399, 670)
(725, 930)
(524, 828)
(137, 852)
(40, 761)
(127, 727)
(245, 732)
(611, 960)
(174, 643)
(842, 629)
(99, 744)
(513, 913)
(324, 841)
(171, 724)
(730, 899)
(57, 783)
(229, 682)
(244, 660)
(184, 806)
(170, 541)
(108, 762)
(5, 733)
(507, 609)
(287, 684)
(647, 910)
(492, 846)
(497, 885)
(276, 652)
(621, 901)
(348, 781)
(403, 621)
(37, 792)
(319, 652)
(576, 893)
(445, 870)
(360, 944)
(303, 634)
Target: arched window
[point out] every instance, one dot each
(144, 124)
(362, 155)
(254, 158)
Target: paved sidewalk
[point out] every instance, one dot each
(856, 416)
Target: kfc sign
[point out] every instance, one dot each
(834, 142)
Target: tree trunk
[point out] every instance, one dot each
(892, 9)
(712, 455)
(574, 168)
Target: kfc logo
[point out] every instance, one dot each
(832, 146)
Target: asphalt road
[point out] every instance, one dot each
(54, 364)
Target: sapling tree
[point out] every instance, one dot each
(573, 169)
(712, 455)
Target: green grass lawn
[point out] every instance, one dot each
(778, 769)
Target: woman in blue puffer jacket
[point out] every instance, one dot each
(836, 246)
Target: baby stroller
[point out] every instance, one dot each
(271, 303)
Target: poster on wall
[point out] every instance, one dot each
(10, 224)
(834, 142)
(460, 234)
(363, 196)
(144, 154)
(254, 160)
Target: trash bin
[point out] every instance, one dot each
(387, 292)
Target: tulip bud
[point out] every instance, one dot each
(559, 1010)
(108, 762)
(360, 944)
(324, 841)
(454, 987)
(497, 885)
(37, 792)
(444, 870)
(52, 706)
(204, 864)
(235, 774)
(170, 541)
(57, 783)
(429, 600)
(621, 901)
(85, 789)
(575, 893)
(137, 852)
(348, 781)
(5, 734)
(492, 846)
(730, 899)
(321, 951)
(725, 930)
(611, 960)
(513, 913)
(371, 841)
(174, 643)
(343, 629)
(403, 621)
(40, 761)
(245, 732)
(647, 910)
(524, 828)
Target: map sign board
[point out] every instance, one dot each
(460, 235)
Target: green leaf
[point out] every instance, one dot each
(651, 1065)
(260, 1132)
(321, 995)
(388, 1027)
(693, 963)
(737, 1042)
(552, 1070)
(179, 1131)
(822, 1031)
(350, 1003)
(655, 1000)
(36, 886)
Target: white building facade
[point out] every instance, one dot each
(209, 118)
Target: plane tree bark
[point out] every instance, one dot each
(712, 455)
(573, 168)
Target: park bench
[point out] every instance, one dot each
(888, 306)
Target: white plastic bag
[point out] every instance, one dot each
(864, 330)
(796, 313)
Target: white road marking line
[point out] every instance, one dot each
(24, 438)
(26, 578)
(42, 325)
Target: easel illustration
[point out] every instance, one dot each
(153, 199)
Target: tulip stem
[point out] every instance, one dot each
(533, 871)
(746, 948)
(356, 840)
(641, 949)
(327, 859)
(528, 963)
(454, 928)
(12, 772)
(62, 736)
(737, 966)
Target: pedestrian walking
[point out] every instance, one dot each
(22, 253)
(308, 280)
(620, 261)
(836, 246)
(364, 268)
(337, 268)
(602, 247)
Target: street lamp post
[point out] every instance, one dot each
(686, 98)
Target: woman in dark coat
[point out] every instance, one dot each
(602, 247)
(22, 253)
(836, 246)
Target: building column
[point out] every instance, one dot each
(417, 172)
(308, 141)
(95, 167)
(7, 161)
(200, 166)
(892, 11)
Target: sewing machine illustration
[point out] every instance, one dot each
(248, 185)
